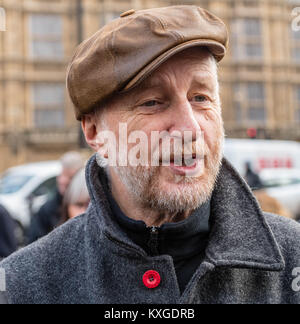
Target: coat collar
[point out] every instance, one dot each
(240, 235)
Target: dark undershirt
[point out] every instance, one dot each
(185, 241)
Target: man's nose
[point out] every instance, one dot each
(182, 117)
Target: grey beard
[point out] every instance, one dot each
(143, 183)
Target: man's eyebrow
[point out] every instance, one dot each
(204, 81)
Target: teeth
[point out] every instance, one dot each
(180, 161)
(189, 162)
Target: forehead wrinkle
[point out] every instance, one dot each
(206, 81)
(170, 76)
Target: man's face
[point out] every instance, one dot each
(181, 95)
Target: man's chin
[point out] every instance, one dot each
(181, 195)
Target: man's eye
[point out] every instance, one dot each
(200, 98)
(150, 103)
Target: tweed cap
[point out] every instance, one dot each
(126, 51)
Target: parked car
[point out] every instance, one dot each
(284, 185)
(25, 188)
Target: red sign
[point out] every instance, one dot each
(270, 163)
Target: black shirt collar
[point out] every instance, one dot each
(180, 240)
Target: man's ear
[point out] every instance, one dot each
(89, 127)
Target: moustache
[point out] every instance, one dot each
(187, 154)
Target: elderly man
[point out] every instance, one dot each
(189, 233)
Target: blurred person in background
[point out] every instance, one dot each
(49, 215)
(76, 199)
(271, 205)
(267, 203)
(252, 178)
(8, 241)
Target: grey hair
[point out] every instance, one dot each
(72, 160)
(77, 190)
(216, 73)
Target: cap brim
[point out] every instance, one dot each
(217, 49)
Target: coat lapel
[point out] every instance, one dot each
(240, 235)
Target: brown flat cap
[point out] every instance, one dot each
(127, 50)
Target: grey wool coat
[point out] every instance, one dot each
(251, 257)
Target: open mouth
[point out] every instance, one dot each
(190, 165)
(182, 160)
(189, 161)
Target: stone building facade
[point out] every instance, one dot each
(260, 77)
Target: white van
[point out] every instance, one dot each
(276, 162)
(262, 154)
